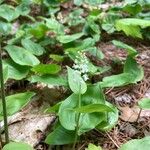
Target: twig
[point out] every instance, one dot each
(112, 140)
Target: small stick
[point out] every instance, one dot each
(112, 140)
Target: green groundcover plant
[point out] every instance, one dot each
(27, 40)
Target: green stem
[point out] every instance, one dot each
(42, 7)
(78, 120)
(3, 98)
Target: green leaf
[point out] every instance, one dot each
(17, 146)
(132, 9)
(15, 71)
(5, 28)
(95, 52)
(134, 69)
(87, 43)
(21, 56)
(49, 80)
(93, 108)
(111, 119)
(32, 47)
(130, 50)
(93, 147)
(76, 83)
(46, 69)
(8, 12)
(69, 38)
(94, 2)
(78, 2)
(60, 136)
(24, 8)
(144, 103)
(57, 58)
(117, 80)
(132, 74)
(137, 144)
(38, 30)
(131, 26)
(16, 102)
(87, 121)
(55, 26)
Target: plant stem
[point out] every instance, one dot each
(42, 7)
(78, 120)
(3, 98)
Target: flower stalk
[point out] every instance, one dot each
(3, 97)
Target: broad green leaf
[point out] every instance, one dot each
(87, 121)
(132, 74)
(60, 136)
(8, 12)
(24, 8)
(111, 119)
(38, 30)
(117, 80)
(46, 69)
(134, 69)
(93, 147)
(5, 28)
(137, 144)
(78, 2)
(132, 9)
(81, 46)
(16, 102)
(131, 26)
(55, 26)
(21, 56)
(95, 52)
(49, 80)
(32, 47)
(76, 83)
(130, 50)
(57, 58)
(15, 71)
(17, 146)
(93, 108)
(94, 2)
(91, 22)
(144, 103)
(1, 1)
(69, 38)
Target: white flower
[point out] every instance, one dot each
(85, 77)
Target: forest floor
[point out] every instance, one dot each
(132, 123)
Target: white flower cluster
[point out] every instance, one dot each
(81, 64)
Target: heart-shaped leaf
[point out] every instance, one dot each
(60, 136)
(21, 56)
(137, 144)
(15, 71)
(32, 47)
(15, 102)
(49, 80)
(8, 12)
(69, 38)
(144, 103)
(76, 83)
(17, 146)
(46, 69)
(94, 108)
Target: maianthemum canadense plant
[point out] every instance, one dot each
(26, 47)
